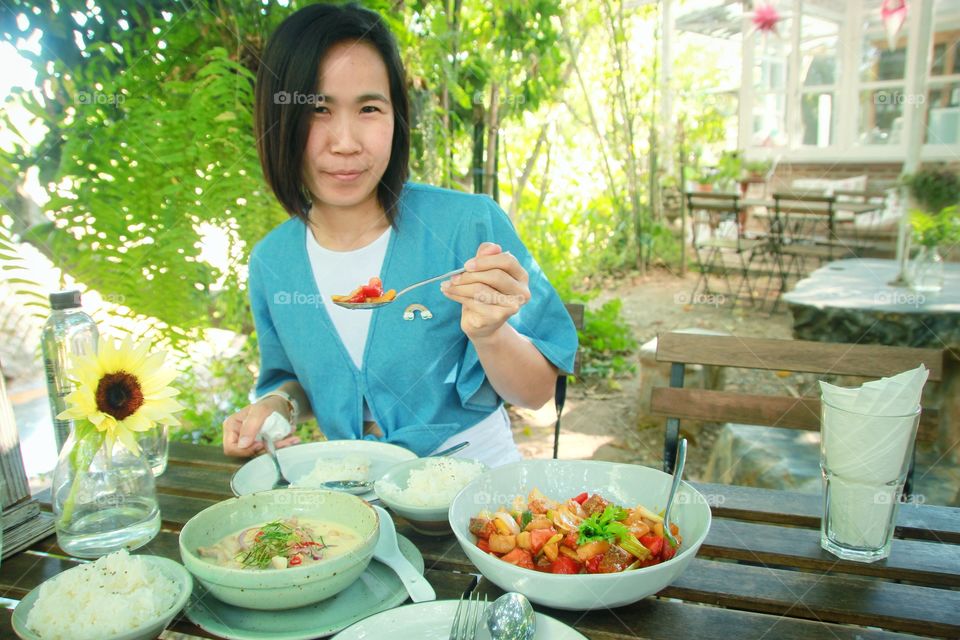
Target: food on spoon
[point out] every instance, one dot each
(282, 544)
(585, 534)
(370, 292)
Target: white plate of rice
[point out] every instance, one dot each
(118, 597)
(308, 465)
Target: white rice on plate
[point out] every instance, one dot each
(326, 469)
(113, 595)
(434, 485)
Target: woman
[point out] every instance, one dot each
(331, 119)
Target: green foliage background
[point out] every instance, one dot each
(149, 150)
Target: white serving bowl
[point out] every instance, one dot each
(624, 484)
(146, 631)
(273, 589)
(429, 520)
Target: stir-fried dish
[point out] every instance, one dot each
(370, 292)
(585, 534)
(281, 544)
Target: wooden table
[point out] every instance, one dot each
(760, 573)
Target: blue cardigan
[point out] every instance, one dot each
(422, 379)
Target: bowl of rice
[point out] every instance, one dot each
(421, 490)
(118, 597)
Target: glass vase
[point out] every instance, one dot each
(156, 447)
(104, 497)
(926, 271)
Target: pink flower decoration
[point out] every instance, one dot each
(765, 18)
(894, 14)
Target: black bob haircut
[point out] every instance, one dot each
(288, 72)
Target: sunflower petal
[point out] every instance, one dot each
(105, 354)
(136, 422)
(170, 421)
(129, 440)
(87, 372)
(165, 392)
(156, 409)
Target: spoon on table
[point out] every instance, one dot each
(511, 617)
(388, 552)
(358, 487)
(677, 476)
(376, 305)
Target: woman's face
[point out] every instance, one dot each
(351, 129)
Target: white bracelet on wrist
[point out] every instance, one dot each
(294, 405)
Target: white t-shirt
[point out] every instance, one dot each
(339, 273)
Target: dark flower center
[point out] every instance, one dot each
(119, 394)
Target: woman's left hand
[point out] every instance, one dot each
(492, 289)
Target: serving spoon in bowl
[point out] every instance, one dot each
(383, 303)
(677, 476)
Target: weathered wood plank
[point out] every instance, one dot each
(827, 598)
(917, 521)
(25, 571)
(211, 455)
(657, 619)
(195, 481)
(796, 355)
(918, 561)
(765, 411)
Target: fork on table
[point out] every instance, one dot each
(466, 621)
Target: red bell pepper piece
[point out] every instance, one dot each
(580, 499)
(369, 291)
(593, 564)
(295, 560)
(653, 543)
(668, 552)
(565, 564)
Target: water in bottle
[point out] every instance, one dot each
(68, 332)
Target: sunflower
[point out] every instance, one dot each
(122, 390)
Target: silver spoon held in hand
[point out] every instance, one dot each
(377, 305)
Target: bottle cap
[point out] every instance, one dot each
(65, 300)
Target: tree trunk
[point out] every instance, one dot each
(477, 164)
(493, 124)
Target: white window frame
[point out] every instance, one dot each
(845, 147)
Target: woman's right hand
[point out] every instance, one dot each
(240, 430)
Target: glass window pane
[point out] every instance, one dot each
(769, 120)
(946, 38)
(816, 111)
(881, 116)
(819, 39)
(939, 65)
(943, 117)
(877, 60)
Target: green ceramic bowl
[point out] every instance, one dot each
(148, 630)
(271, 589)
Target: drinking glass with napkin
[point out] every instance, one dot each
(867, 436)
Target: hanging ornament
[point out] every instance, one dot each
(765, 18)
(894, 15)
